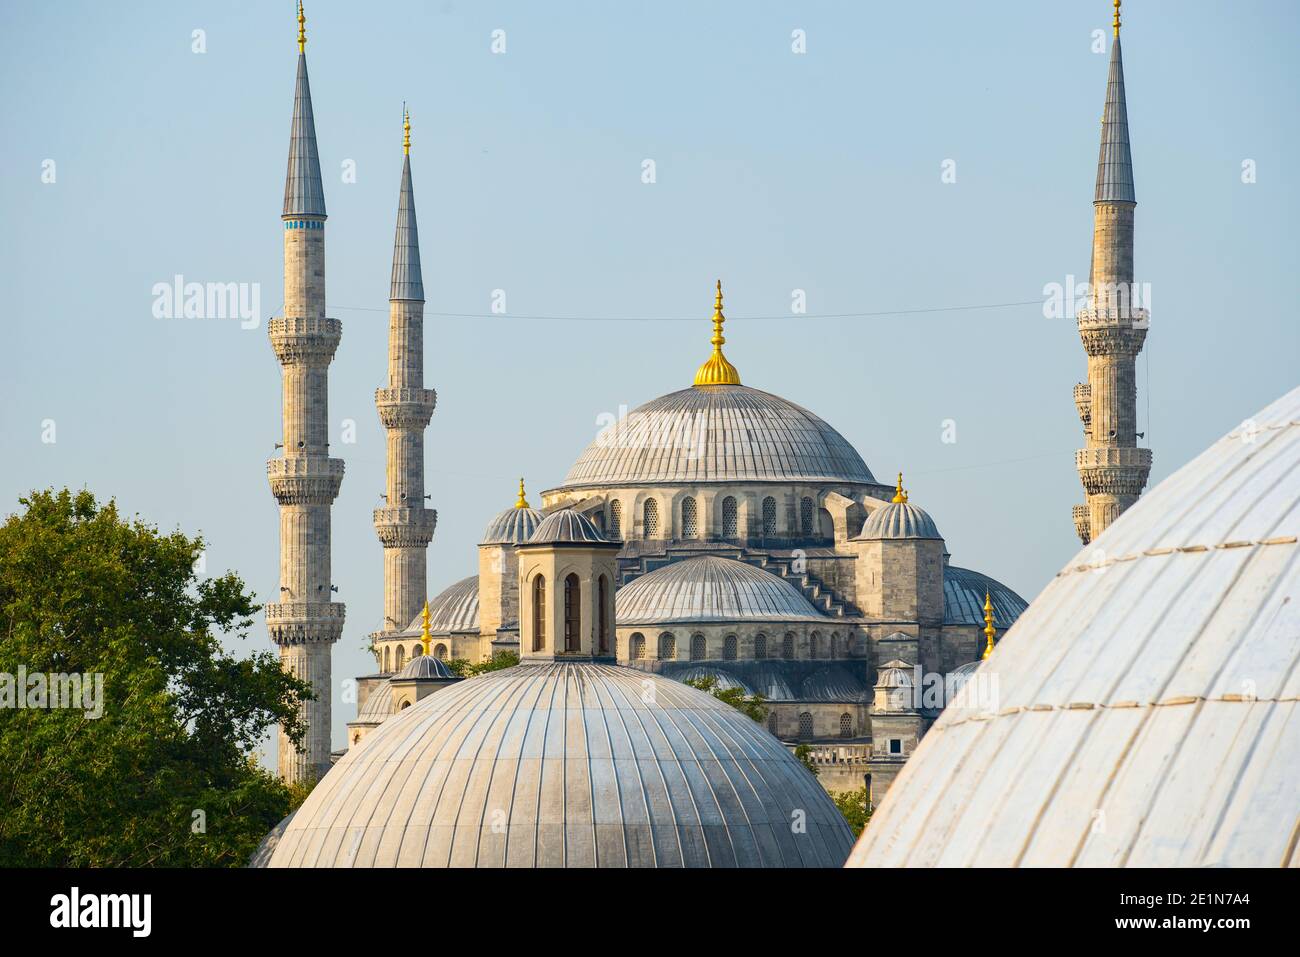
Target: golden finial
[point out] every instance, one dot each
(425, 637)
(716, 369)
(406, 130)
(302, 29)
(522, 502)
(989, 631)
(900, 497)
(1116, 17)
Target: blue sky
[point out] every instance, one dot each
(774, 171)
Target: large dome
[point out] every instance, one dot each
(709, 588)
(1149, 698)
(566, 765)
(454, 610)
(718, 433)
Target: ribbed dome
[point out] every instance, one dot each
(963, 599)
(895, 674)
(899, 520)
(426, 667)
(566, 765)
(709, 588)
(956, 679)
(566, 526)
(512, 526)
(379, 705)
(1149, 711)
(719, 433)
(454, 610)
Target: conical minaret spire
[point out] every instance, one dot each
(405, 527)
(303, 621)
(1113, 327)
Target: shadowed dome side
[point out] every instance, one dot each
(721, 433)
(511, 527)
(709, 588)
(454, 610)
(379, 705)
(1157, 678)
(582, 767)
(898, 520)
(963, 599)
(426, 667)
(566, 526)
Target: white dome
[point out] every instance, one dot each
(566, 765)
(1149, 711)
(722, 433)
(454, 610)
(899, 520)
(709, 588)
(512, 526)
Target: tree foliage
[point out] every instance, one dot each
(855, 807)
(755, 706)
(465, 668)
(166, 776)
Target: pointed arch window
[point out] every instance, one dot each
(440, 652)
(698, 647)
(690, 524)
(539, 613)
(572, 614)
(805, 724)
(388, 661)
(636, 646)
(760, 646)
(729, 646)
(769, 517)
(787, 646)
(651, 518)
(729, 517)
(616, 519)
(846, 725)
(667, 646)
(401, 657)
(806, 517)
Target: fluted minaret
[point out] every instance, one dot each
(304, 622)
(404, 525)
(1113, 328)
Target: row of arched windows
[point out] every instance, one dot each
(806, 724)
(690, 518)
(394, 658)
(667, 646)
(572, 617)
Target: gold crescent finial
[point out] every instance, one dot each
(522, 502)
(716, 369)
(302, 29)
(425, 637)
(900, 497)
(406, 130)
(989, 631)
(1116, 17)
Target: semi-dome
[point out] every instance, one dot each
(708, 588)
(718, 433)
(566, 527)
(1148, 698)
(963, 599)
(532, 766)
(512, 526)
(454, 610)
(426, 667)
(898, 520)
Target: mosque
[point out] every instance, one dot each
(723, 532)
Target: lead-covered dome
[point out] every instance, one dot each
(426, 667)
(567, 527)
(709, 588)
(1149, 698)
(566, 765)
(718, 433)
(897, 520)
(454, 610)
(512, 526)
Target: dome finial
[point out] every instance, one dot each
(900, 497)
(717, 370)
(989, 631)
(406, 130)
(302, 29)
(522, 502)
(1116, 17)
(425, 637)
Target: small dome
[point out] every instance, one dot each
(898, 520)
(566, 526)
(426, 666)
(379, 705)
(458, 780)
(453, 611)
(709, 588)
(963, 599)
(895, 674)
(512, 526)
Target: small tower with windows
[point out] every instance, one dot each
(567, 576)
(498, 572)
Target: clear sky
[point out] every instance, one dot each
(775, 171)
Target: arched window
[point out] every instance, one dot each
(806, 517)
(602, 600)
(771, 722)
(697, 647)
(651, 518)
(805, 724)
(787, 646)
(405, 705)
(667, 646)
(835, 646)
(760, 646)
(388, 661)
(440, 652)
(572, 614)
(539, 613)
(690, 526)
(636, 646)
(815, 645)
(769, 517)
(729, 517)
(416, 651)
(846, 725)
(401, 657)
(616, 519)
(729, 647)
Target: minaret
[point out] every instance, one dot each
(1113, 327)
(304, 622)
(404, 525)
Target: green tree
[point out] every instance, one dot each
(464, 668)
(755, 706)
(166, 775)
(804, 753)
(855, 807)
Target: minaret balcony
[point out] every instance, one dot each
(405, 408)
(304, 339)
(305, 480)
(1113, 471)
(405, 527)
(305, 622)
(1083, 403)
(1082, 523)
